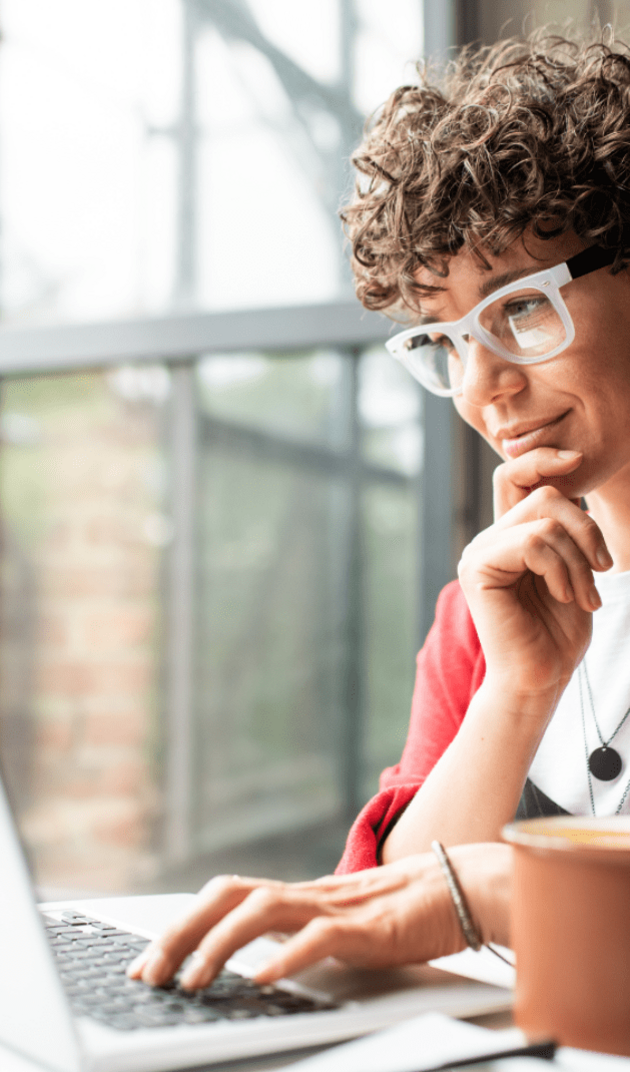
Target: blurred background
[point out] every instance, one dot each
(225, 513)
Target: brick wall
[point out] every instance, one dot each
(80, 628)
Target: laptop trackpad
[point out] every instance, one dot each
(343, 983)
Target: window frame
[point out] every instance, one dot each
(179, 341)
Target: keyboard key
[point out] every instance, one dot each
(241, 1013)
(123, 1022)
(157, 1017)
(75, 990)
(86, 997)
(198, 1015)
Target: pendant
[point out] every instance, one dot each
(605, 763)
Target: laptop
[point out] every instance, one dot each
(66, 1004)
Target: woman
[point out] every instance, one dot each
(495, 218)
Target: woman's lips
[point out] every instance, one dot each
(534, 438)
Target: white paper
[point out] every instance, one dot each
(482, 965)
(421, 1043)
(569, 1060)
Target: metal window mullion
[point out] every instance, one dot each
(436, 507)
(352, 759)
(185, 284)
(28, 351)
(439, 28)
(180, 618)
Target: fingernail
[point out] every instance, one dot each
(194, 974)
(564, 454)
(269, 973)
(138, 964)
(604, 558)
(594, 598)
(153, 969)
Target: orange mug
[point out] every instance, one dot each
(571, 930)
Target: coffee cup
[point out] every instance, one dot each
(571, 930)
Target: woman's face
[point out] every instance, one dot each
(579, 400)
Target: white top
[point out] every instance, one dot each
(559, 766)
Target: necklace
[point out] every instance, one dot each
(588, 758)
(605, 762)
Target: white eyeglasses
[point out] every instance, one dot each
(525, 322)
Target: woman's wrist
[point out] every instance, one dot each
(485, 875)
(513, 698)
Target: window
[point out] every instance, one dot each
(215, 567)
(181, 154)
(210, 596)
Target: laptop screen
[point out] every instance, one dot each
(30, 991)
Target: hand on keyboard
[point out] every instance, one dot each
(397, 914)
(92, 957)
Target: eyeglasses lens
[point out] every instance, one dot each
(433, 360)
(525, 323)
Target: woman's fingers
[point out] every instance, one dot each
(551, 554)
(549, 503)
(515, 479)
(284, 907)
(542, 529)
(231, 911)
(400, 913)
(545, 548)
(157, 963)
(529, 586)
(324, 936)
(266, 909)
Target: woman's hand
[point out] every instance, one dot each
(528, 579)
(528, 582)
(387, 916)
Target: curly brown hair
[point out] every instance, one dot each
(523, 134)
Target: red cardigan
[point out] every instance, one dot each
(450, 669)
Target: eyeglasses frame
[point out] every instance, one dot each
(548, 282)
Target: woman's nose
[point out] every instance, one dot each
(488, 376)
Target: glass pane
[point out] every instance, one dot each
(618, 13)
(298, 397)
(392, 568)
(272, 542)
(389, 405)
(512, 16)
(389, 409)
(193, 155)
(304, 608)
(88, 93)
(288, 607)
(82, 536)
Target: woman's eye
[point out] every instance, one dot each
(526, 305)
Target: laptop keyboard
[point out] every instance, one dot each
(92, 959)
